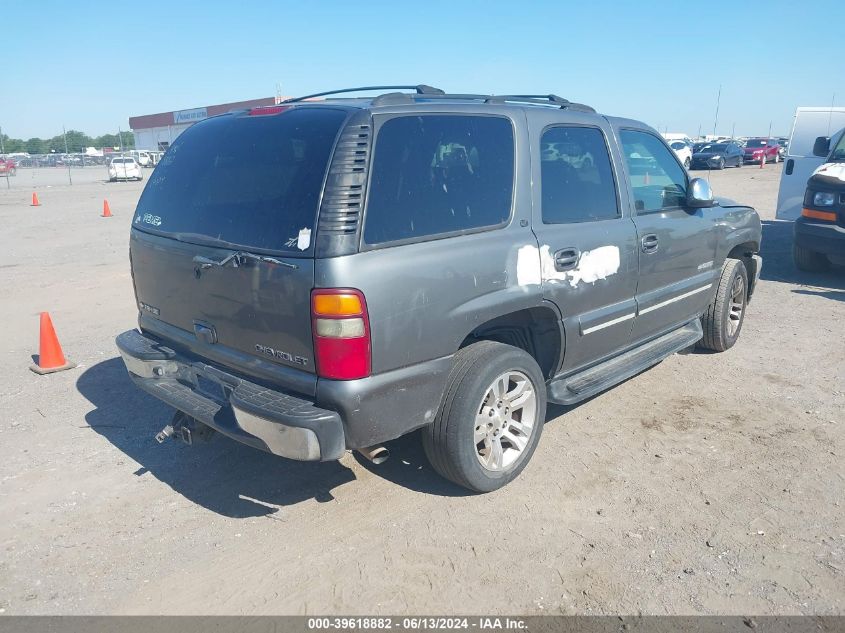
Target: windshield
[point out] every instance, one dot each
(678, 145)
(838, 153)
(756, 142)
(246, 181)
(714, 148)
(123, 160)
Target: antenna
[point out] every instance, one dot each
(716, 118)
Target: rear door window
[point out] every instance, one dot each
(243, 181)
(576, 177)
(439, 174)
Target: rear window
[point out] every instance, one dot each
(439, 174)
(243, 181)
(123, 160)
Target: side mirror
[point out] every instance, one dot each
(699, 195)
(822, 146)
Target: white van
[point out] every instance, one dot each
(808, 125)
(142, 157)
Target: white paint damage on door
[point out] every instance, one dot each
(528, 266)
(534, 266)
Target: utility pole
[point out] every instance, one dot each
(3, 151)
(770, 130)
(67, 159)
(733, 130)
(716, 118)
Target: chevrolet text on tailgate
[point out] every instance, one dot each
(326, 275)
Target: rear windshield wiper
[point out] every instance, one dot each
(238, 258)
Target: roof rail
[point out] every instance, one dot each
(550, 99)
(421, 89)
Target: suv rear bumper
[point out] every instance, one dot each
(264, 418)
(345, 414)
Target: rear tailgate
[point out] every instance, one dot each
(221, 247)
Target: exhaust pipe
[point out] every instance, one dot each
(376, 454)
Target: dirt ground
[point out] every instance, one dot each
(712, 483)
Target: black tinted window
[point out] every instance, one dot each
(251, 181)
(576, 177)
(437, 174)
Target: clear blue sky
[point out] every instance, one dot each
(92, 65)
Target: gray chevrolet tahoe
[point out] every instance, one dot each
(330, 274)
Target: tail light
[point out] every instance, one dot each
(265, 110)
(341, 330)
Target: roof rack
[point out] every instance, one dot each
(424, 92)
(421, 89)
(392, 98)
(549, 99)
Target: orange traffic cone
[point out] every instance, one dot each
(50, 355)
(35, 202)
(106, 209)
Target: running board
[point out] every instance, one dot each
(589, 382)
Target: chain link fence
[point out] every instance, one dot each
(68, 156)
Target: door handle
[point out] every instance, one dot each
(567, 258)
(649, 243)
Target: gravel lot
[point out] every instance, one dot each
(708, 484)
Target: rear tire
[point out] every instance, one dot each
(722, 321)
(495, 396)
(809, 261)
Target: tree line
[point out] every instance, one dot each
(76, 142)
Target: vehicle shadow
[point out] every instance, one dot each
(408, 467)
(836, 295)
(778, 265)
(223, 476)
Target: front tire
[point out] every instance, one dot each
(686, 163)
(491, 417)
(722, 321)
(809, 261)
(721, 164)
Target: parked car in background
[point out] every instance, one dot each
(783, 145)
(717, 156)
(142, 157)
(758, 149)
(683, 151)
(8, 167)
(819, 233)
(124, 168)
